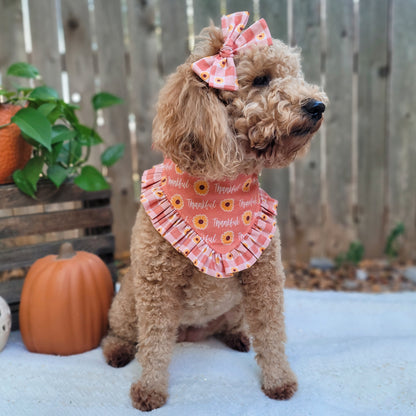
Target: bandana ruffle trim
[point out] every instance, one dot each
(184, 239)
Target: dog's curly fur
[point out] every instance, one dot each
(214, 134)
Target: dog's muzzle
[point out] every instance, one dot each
(314, 109)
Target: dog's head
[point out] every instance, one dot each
(216, 133)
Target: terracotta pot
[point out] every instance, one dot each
(14, 150)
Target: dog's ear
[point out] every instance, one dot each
(191, 126)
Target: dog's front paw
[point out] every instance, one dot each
(144, 399)
(284, 392)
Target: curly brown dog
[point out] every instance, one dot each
(214, 136)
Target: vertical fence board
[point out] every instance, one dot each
(240, 6)
(402, 131)
(12, 47)
(306, 213)
(338, 119)
(144, 78)
(275, 13)
(174, 23)
(373, 69)
(44, 31)
(112, 73)
(205, 12)
(79, 60)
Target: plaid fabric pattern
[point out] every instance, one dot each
(215, 258)
(219, 70)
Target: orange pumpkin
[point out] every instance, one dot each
(14, 150)
(65, 302)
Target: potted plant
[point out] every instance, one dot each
(42, 137)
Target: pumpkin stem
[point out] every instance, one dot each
(66, 251)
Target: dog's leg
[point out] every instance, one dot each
(119, 346)
(159, 273)
(263, 302)
(234, 332)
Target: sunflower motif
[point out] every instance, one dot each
(186, 252)
(264, 217)
(219, 275)
(177, 202)
(247, 185)
(247, 216)
(240, 28)
(223, 62)
(230, 27)
(219, 80)
(163, 180)
(159, 194)
(201, 187)
(230, 256)
(227, 205)
(234, 270)
(204, 75)
(196, 239)
(178, 170)
(200, 221)
(227, 237)
(203, 269)
(261, 36)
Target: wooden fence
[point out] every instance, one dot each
(359, 179)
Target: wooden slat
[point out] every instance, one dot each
(44, 30)
(275, 14)
(11, 197)
(55, 221)
(373, 72)
(17, 257)
(174, 24)
(339, 225)
(144, 77)
(11, 34)
(240, 6)
(306, 212)
(402, 127)
(112, 74)
(79, 61)
(205, 12)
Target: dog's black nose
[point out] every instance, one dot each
(314, 108)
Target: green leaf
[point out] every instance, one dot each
(70, 153)
(61, 133)
(57, 174)
(32, 170)
(46, 108)
(104, 99)
(112, 154)
(44, 93)
(23, 70)
(87, 136)
(35, 125)
(91, 179)
(7, 94)
(23, 184)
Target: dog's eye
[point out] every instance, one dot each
(262, 81)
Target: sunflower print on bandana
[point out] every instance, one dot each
(221, 226)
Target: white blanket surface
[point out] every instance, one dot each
(354, 354)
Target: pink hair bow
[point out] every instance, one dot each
(219, 70)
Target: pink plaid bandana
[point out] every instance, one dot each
(219, 70)
(223, 227)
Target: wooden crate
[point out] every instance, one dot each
(31, 229)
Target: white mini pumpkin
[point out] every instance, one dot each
(5, 322)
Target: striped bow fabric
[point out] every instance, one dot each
(219, 70)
